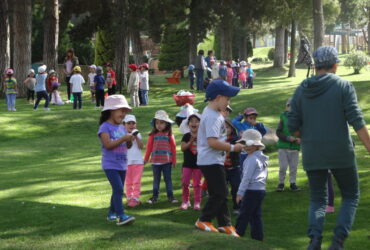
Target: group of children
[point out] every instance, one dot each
(46, 86)
(211, 147)
(235, 73)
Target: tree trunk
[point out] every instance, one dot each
(122, 44)
(51, 32)
(368, 31)
(193, 38)
(344, 44)
(279, 47)
(226, 37)
(22, 42)
(4, 43)
(243, 52)
(318, 23)
(137, 47)
(291, 72)
(11, 31)
(254, 40)
(286, 38)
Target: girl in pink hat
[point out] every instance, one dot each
(133, 85)
(114, 138)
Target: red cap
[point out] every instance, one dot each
(133, 67)
(145, 65)
(250, 111)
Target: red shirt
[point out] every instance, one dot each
(113, 76)
(161, 148)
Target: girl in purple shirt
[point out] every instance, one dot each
(113, 137)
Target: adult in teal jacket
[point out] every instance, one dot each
(321, 109)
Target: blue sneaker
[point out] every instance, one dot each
(125, 219)
(111, 217)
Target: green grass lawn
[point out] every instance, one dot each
(54, 195)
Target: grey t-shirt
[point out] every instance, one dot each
(40, 82)
(212, 124)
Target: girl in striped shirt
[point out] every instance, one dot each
(161, 149)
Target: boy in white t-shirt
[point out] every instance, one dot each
(211, 157)
(135, 163)
(91, 76)
(76, 82)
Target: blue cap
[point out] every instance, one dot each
(220, 87)
(191, 67)
(325, 56)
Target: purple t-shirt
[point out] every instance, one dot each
(114, 158)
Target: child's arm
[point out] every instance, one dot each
(261, 128)
(149, 149)
(248, 170)
(223, 146)
(173, 150)
(281, 135)
(109, 144)
(139, 141)
(186, 145)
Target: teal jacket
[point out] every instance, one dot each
(321, 109)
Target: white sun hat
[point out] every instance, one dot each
(130, 118)
(243, 63)
(184, 126)
(41, 69)
(163, 116)
(114, 102)
(252, 137)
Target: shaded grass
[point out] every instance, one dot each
(53, 193)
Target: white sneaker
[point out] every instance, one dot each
(14, 109)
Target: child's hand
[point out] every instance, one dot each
(292, 139)
(298, 140)
(238, 198)
(129, 137)
(238, 147)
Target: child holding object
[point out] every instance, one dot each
(113, 137)
(211, 156)
(190, 169)
(135, 163)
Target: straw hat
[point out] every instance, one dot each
(252, 137)
(162, 116)
(114, 102)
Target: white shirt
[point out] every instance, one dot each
(91, 78)
(76, 81)
(69, 65)
(212, 125)
(134, 156)
(144, 80)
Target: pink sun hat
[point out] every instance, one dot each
(114, 102)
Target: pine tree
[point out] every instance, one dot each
(104, 47)
(174, 49)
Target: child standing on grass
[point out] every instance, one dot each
(133, 85)
(190, 169)
(289, 147)
(250, 122)
(191, 74)
(135, 163)
(30, 84)
(250, 76)
(113, 137)
(232, 164)
(211, 148)
(222, 70)
(76, 85)
(252, 189)
(144, 83)
(91, 77)
(99, 84)
(40, 88)
(230, 74)
(10, 89)
(54, 84)
(235, 67)
(161, 149)
(243, 74)
(111, 79)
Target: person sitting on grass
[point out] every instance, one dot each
(113, 137)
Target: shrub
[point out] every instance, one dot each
(357, 60)
(271, 54)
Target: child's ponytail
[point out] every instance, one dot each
(104, 116)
